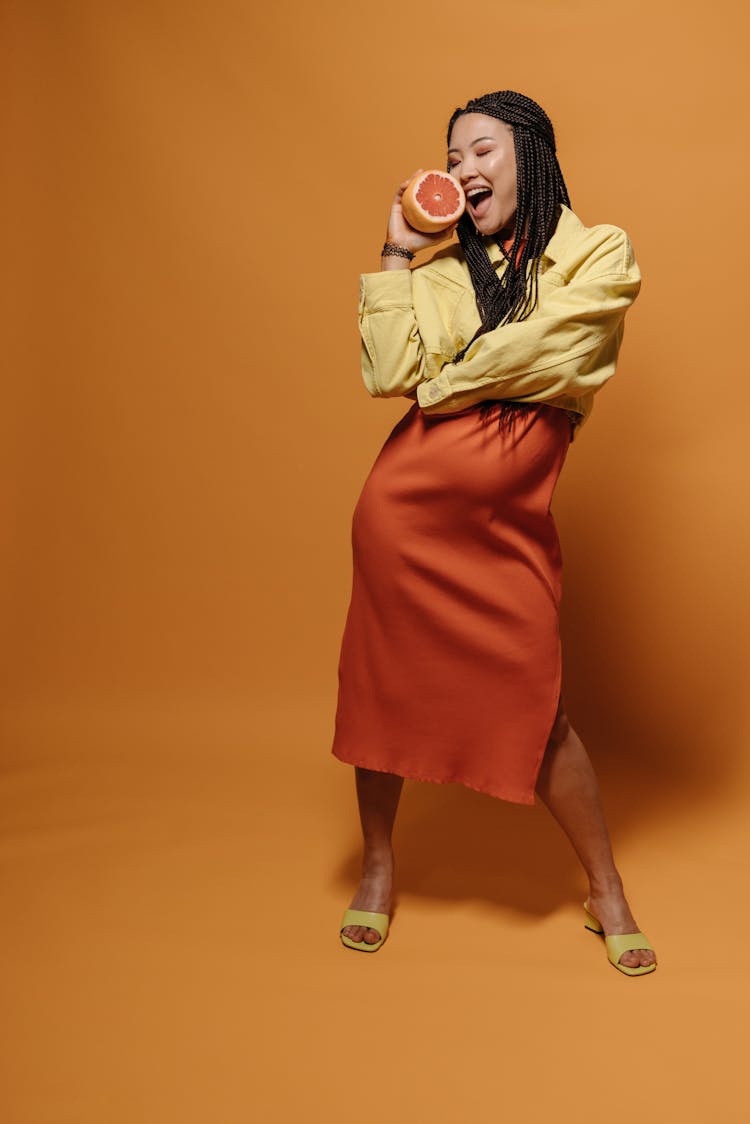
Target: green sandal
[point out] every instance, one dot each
(619, 943)
(376, 921)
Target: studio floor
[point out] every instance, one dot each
(172, 887)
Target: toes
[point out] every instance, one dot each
(638, 958)
(359, 933)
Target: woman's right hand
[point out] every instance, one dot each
(399, 230)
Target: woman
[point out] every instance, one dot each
(450, 660)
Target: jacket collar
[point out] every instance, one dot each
(568, 224)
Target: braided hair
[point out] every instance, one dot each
(540, 189)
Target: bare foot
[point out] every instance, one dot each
(373, 894)
(613, 913)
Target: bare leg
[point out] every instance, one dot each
(568, 786)
(378, 795)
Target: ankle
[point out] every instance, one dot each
(605, 886)
(377, 863)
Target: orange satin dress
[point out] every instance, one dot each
(450, 662)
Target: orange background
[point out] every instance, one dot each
(189, 194)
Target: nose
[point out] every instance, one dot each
(468, 170)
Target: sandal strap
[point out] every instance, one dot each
(618, 943)
(376, 921)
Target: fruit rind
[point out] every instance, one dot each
(416, 215)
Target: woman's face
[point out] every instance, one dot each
(482, 156)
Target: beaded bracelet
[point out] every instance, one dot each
(391, 250)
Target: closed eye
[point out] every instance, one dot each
(478, 152)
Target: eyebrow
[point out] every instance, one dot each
(473, 142)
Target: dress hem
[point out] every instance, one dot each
(525, 799)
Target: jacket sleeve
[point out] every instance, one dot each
(393, 355)
(569, 348)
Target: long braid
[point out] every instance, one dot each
(540, 189)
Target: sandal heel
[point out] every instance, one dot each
(592, 923)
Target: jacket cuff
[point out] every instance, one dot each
(434, 391)
(391, 288)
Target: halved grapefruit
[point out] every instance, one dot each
(432, 201)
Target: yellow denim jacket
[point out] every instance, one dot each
(413, 321)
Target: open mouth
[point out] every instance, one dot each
(479, 201)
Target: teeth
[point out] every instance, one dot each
(476, 191)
